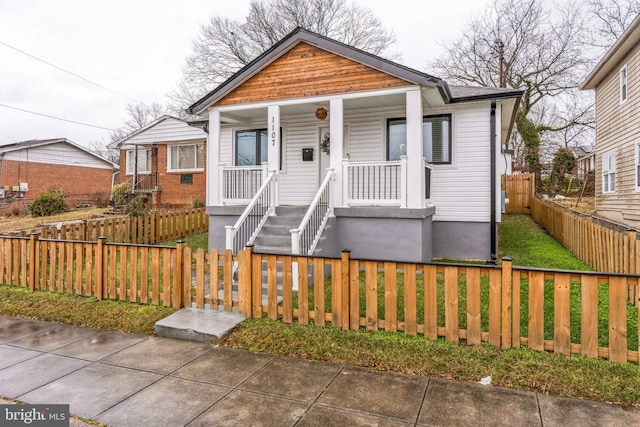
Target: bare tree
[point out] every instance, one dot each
(139, 115)
(611, 18)
(224, 46)
(103, 151)
(543, 54)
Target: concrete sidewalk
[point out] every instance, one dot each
(131, 380)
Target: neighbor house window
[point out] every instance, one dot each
(637, 168)
(609, 173)
(623, 84)
(185, 157)
(144, 161)
(436, 139)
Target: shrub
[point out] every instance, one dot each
(120, 193)
(49, 203)
(198, 203)
(138, 206)
(100, 199)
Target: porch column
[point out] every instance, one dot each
(336, 154)
(214, 198)
(273, 129)
(415, 190)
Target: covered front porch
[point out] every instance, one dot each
(355, 167)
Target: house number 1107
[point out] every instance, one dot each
(273, 131)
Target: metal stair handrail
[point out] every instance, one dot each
(261, 206)
(305, 238)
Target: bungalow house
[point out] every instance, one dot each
(166, 160)
(316, 146)
(616, 80)
(30, 168)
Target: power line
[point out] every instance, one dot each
(69, 72)
(54, 117)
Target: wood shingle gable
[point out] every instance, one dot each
(306, 70)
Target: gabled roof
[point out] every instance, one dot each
(301, 35)
(449, 94)
(115, 145)
(32, 143)
(627, 41)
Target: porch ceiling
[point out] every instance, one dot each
(304, 107)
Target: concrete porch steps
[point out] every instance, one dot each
(275, 237)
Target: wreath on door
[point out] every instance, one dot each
(325, 145)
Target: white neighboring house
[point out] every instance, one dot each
(352, 151)
(616, 80)
(166, 159)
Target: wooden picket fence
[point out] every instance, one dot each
(602, 245)
(151, 229)
(518, 188)
(504, 305)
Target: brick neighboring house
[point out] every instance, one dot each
(170, 161)
(30, 168)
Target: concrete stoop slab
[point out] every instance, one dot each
(200, 325)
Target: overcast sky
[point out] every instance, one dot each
(137, 48)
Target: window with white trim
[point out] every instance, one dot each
(609, 173)
(144, 161)
(186, 157)
(252, 147)
(637, 168)
(436, 138)
(623, 84)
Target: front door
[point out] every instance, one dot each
(323, 141)
(324, 163)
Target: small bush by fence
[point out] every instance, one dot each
(151, 229)
(561, 311)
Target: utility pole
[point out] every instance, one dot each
(500, 46)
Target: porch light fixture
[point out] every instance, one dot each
(321, 113)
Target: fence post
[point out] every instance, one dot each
(506, 302)
(178, 274)
(344, 288)
(100, 267)
(244, 280)
(33, 265)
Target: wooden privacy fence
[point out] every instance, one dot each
(600, 246)
(151, 229)
(518, 188)
(561, 311)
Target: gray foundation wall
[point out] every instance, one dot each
(219, 217)
(380, 233)
(462, 240)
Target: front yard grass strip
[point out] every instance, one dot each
(576, 376)
(81, 311)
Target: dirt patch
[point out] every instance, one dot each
(13, 223)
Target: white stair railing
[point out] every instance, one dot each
(305, 238)
(261, 206)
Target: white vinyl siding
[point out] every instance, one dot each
(462, 191)
(623, 84)
(609, 173)
(637, 167)
(168, 130)
(144, 161)
(58, 154)
(185, 157)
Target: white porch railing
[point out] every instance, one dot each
(254, 216)
(375, 183)
(305, 238)
(238, 184)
